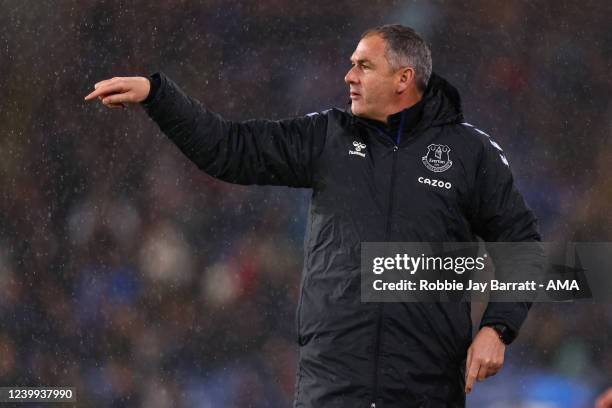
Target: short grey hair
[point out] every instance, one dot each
(405, 48)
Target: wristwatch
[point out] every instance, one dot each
(506, 335)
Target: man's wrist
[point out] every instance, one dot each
(154, 85)
(506, 335)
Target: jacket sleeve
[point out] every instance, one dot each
(280, 152)
(501, 215)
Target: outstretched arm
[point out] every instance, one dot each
(252, 152)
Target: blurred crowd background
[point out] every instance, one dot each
(127, 273)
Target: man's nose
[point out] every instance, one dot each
(350, 77)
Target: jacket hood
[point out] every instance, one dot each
(442, 102)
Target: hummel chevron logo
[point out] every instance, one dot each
(358, 148)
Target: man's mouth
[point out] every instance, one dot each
(355, 95)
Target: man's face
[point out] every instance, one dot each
(371, 81)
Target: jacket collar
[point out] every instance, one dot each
(407, 119)
(441, 104)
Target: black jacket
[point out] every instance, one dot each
(367, 182)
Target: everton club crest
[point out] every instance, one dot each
(437, 159)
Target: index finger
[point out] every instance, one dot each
(104, 90)
(468, 363)
(471, 376)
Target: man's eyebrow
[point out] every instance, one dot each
(361, 61)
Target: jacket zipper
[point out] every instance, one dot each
(387, 233)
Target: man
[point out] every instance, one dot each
(366, 168)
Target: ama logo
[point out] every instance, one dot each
(437, 158)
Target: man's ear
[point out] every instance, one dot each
(405, 79)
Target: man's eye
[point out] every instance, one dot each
(362, 66)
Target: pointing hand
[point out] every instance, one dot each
(116, 92)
